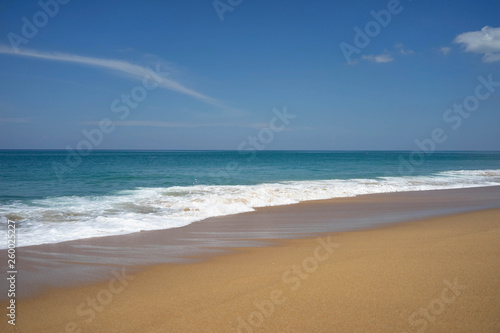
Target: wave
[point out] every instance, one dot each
(58, 219)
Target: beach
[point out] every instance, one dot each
(245, 166)
(438, 273)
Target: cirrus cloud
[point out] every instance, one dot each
(379, 58)
(118, 66)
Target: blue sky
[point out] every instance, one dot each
(205, 76)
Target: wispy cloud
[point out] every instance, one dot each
(118, 66)
(402, 49)
(444, 50)
(169, 124)
(491, 57)
(486, 42)
(380, 58)
(15, 120)
(387, 55)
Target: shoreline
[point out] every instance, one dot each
(88, 261)
(437, 274)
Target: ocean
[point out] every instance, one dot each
(56, 196)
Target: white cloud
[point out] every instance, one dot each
(386, 56)
(486, 41)
(445, 50)
(402, 49)
(380, 58)
(120, 66)
(491, 57)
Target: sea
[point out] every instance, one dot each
(56, 195)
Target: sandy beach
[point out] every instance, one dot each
(248, 166)
(438, 274)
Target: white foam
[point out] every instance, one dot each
(53, 220)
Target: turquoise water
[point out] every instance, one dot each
(55, 196)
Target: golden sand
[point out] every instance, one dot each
(433, 275)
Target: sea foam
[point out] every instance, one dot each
(57, 219)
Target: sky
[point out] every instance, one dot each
(301, 75)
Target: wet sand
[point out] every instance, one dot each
(439, 274)
(91, 260)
